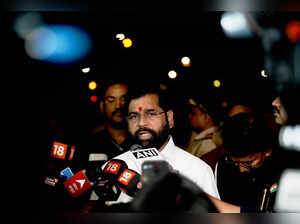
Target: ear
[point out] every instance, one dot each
(170, 117)
(102, 106)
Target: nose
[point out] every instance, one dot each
(119, 103)
(276, 102)
(142, 122)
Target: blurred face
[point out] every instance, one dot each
(253, 161)
(236, 109)
(113, 103)
(148, 123)
(280, 113)
(197, 119)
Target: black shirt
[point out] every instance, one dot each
(246, 189)
(102, 143)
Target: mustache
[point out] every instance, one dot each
(119, 110)
(276, 110)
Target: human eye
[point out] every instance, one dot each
(132, 116)
(151, 113)
(110, 99)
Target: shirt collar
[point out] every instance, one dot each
(169, 149)
(204, 133)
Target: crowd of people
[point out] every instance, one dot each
(234, 161)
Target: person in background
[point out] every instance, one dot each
(204, 128)
(111, 138)
(249, 168)
(212, 157)
(286, 108)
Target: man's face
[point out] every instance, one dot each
(280, 113)
(148, 124)
(197, 119)
(113, 103)
(251, 162)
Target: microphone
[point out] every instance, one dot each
(169, 192)
(129, 182)
(142, 155)
(84, 180)
(79, 183)
(62, 151)
(105, 189)
(114, 168)
(96, 159)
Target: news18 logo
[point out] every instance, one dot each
(126, 176)
(59, 150)
(112, 167)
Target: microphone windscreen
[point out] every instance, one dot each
(114, 168)
(129, 181)
(135, 147)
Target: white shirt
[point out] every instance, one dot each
(185, 163)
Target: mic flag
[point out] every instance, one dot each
(78, 184)
(62, 151)
(143, 155)
(129, 182)
(114, 168)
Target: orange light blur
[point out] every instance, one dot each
(292, 31)
(92, 85)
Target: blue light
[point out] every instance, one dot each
(234, 25)
(59, 44)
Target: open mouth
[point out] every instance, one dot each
(144, 134)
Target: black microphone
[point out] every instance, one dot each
(106, 188)
(114, 168)
(94, 177)
(129, 182)
(169, 192)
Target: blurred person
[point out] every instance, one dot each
(203, 130)
(249, 168)
(286, 114)
(150, 118)
(239, 108)
(212, 157)
(111, 138)
(286, 109)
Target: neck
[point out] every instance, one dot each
(119, 135)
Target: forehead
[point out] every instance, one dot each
(196, 110)
(146, 102)
(239, 109)
(116, 90)
(247, 158)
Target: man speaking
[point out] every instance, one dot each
(150, 119)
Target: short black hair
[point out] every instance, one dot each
(105, 84)
(140, 90)
(245, 134)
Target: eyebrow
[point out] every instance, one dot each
(148, 110)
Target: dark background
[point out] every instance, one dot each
(57, 97)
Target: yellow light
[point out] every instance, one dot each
(127, 42)
(217, 83)
(92, 85)
(172, 74)
(186, 61)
